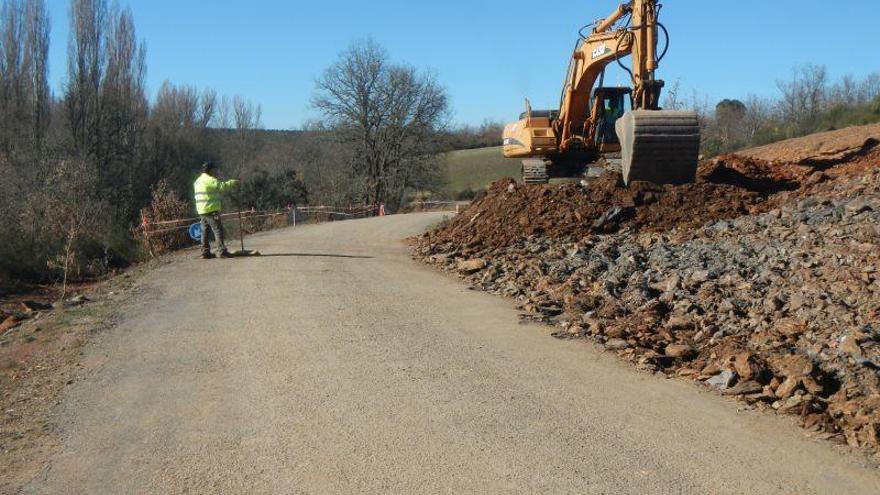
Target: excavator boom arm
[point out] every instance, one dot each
(654, 145)
(602, 47)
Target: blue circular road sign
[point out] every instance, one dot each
(195, 231)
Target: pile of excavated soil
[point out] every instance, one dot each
(817, 149)
(726, 187)
(762, 280)
(509, 212)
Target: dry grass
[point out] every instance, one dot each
(475, 169)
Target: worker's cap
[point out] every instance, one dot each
(209, 166)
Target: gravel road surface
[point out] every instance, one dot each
(338, 365)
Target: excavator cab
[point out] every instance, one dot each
(609, 105)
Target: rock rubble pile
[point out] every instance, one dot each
(761, 280)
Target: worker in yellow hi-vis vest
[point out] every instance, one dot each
(207, 195)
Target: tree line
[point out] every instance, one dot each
(806, 102)
(76, 168)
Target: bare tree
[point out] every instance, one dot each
(240, 118)
(123, 111)
(757, 117)
(25, 110)
(13, 73)
(672, 98)
(85, 69)
(105, 97)
(869, 88)
(803, 96)
(844, 92)
(76, 211)
(207, 108)
(390, 114)
(176, 105)
(327, 164)
(246, 115)
(37, 52)
(675, 99)
(25, 106)
(178, 135)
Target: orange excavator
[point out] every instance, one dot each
(598, 127)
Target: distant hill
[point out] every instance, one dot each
(470, 170)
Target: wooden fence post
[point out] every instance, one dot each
(145, 225)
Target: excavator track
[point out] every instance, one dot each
(659, 146)
(535, 172)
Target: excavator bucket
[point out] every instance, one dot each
(659, 146)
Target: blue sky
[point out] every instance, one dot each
(489, 54)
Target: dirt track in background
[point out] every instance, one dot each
(340, 366)
(816, 148)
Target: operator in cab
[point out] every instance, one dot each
(608, 116)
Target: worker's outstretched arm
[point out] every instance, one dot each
(227, 185)
(221, 186)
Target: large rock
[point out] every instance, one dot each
(616, 344)
(790, 328)
(471, 266)
(9, 323)
(744, 388)
(723, 380)
(747, 366)
(680, 322)
(850, 345)
(794, 366)
(680, 351)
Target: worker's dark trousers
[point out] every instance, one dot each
(216, 226)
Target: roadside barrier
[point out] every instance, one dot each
(436, 205)
(356, 211)
(170, 235)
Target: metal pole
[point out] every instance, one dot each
(240, 227)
